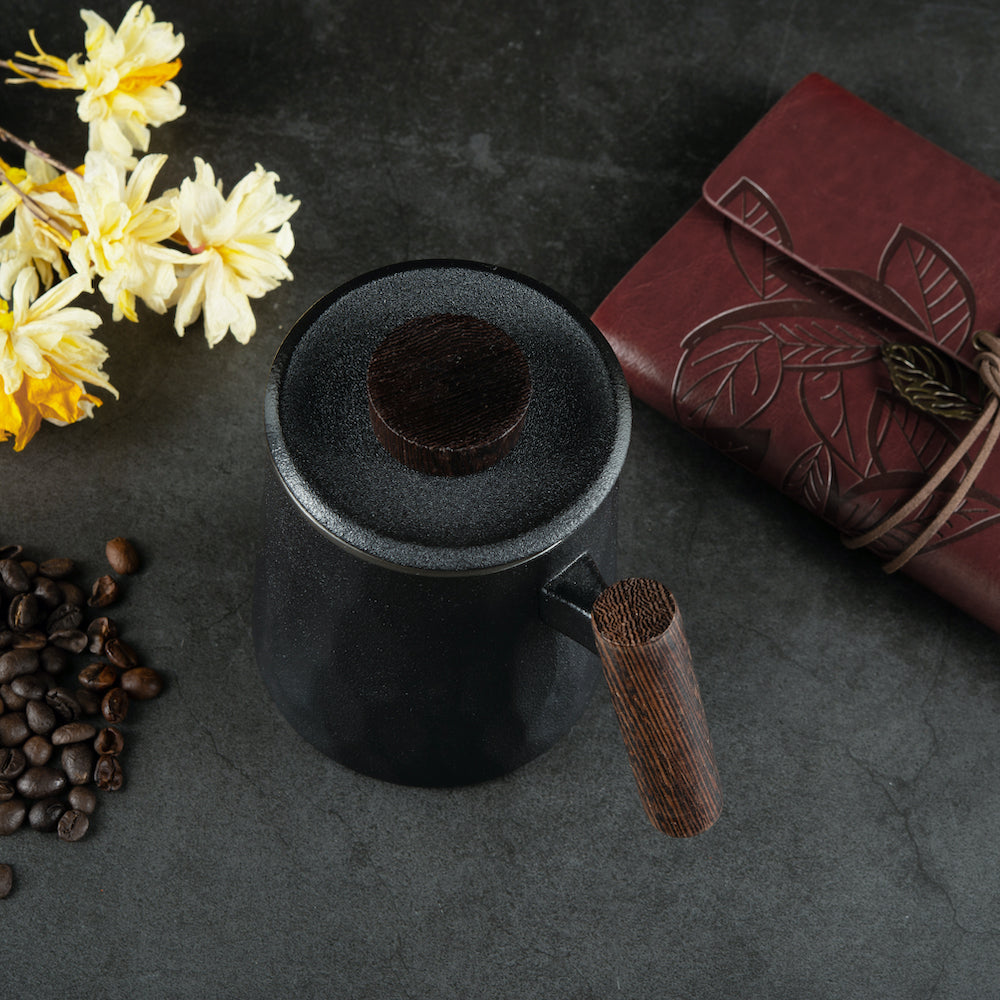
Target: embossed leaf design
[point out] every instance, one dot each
(733, 365)
(979, 510)
(809, 334)
(824, 400)
(811, 480)
(824, 342)
(749, 203)
(881, 493)
(728, 376)
(896, 429)
(902, 436)
(755, 258)
(933, 283)
(931, 380)
(881, 303)
(871, 499)
(863, 301)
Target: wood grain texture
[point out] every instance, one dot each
(647, 665)
(448, 394)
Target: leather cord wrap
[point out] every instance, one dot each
(988, 365)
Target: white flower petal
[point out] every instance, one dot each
(241, 256)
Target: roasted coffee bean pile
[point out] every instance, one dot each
(60, 722)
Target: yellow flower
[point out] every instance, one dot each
(122, 233)
(239, 245)
(125, 79)
(47, 353)
(42, 223)
(9, 198)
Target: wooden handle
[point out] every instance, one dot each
(647, 665)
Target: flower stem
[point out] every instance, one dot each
(30, 147)
(29, 73)
(38, 210)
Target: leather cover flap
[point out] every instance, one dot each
(873, 208)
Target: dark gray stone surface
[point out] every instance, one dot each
(855, 717)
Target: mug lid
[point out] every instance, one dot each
(573, 434)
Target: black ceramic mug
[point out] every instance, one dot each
(438, 523)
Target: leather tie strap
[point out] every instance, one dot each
(988, 365)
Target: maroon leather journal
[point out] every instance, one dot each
(758, 322)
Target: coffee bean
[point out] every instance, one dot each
(82, 797)
(142, 683)
(15, 662)
(11, 551)
(41, 782)
(65, 705)
(73, 825)
(29, 686)
(122, 556)
(98, 676)
(41, 717)
(108, 774)
(13, 576)
(37, 750)
(25, 612)
(109, 741)
(121, 654)
(6, 881)
(14, 729)
(98, 632)
(90, 701)
(13, 761)
(11, 699)
(104, 592)
(56, 569)
(45, 814)
(12, 815)
(77, 761)
(6, 638)
(7, 790)
(64, 618)
(54, 660)
(71, 639)
(34, 639)
(114, 705)
(72, 594)
(72, 732)
(47, 591)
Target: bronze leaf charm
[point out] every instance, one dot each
(932, 381)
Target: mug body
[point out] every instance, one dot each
(418, 678)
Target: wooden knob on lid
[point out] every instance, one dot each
(448, 394)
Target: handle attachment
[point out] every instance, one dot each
(647, 665)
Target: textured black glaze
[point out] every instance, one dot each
(566, 461)
(416, 678)
(398, 615)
